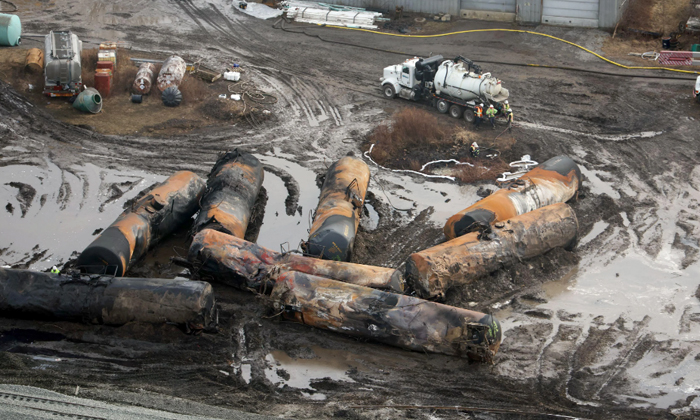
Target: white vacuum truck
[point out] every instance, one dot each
(453, 86)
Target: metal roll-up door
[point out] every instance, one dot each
(583, 13)
(507, 6)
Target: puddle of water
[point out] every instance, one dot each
(598, 228)
(597, 185)
(64, 212)
(373, 220)
(333, 364)
(246, 373)
(555, 288)
(277, 227)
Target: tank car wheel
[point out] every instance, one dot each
(389, 91)
(442, 106)
(469, 116)
(456, 111)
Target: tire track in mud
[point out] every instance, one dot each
(306, 97)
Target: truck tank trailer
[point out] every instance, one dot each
(62, 68)
(453, 86)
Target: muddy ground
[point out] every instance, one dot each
(609, 330)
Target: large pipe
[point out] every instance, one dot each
(233, 185)
(157, 214)
(433, 271)
(554, 181)
(105, 299)
(338, 213)
(398, 320)
(245, 265)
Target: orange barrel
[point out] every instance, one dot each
(554, 181)
(157, 214)
(144, 78)
(109, 65)
(171, 73)
(34, 62)
(337, 216)
(108, 46)
(232, 188)
(103, 81)
(239, 263)
(433, 271)
(398, 320)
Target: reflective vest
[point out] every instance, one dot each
(509, 116)
(479, 111)
(55, 271)
(491, 112)
(506, 107)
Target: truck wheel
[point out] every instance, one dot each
(456, 111)
(469, 116)
(442, 106)
(389, 91)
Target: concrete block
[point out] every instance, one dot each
(486, 15)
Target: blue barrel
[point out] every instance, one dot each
(10, 30)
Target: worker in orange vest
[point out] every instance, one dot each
(478, 115)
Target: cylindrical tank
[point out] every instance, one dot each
(157, 214)
(10, 30)
(144, 78)
(106, 300)
(232, 188)
(338, 213)
(554, 181)
(88, 100)
(171, 73)
(397, 320)
(239, 263)
(34, 63)
(433, 271)
(452, 78)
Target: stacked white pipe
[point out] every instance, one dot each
(351, 19)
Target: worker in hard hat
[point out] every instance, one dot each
(474, 150)
(505, 107)
(509, 118)
(55, 270)
(491, 114)
(478, 115)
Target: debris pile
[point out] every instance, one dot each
(327, 14)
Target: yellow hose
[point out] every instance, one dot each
(523, 32)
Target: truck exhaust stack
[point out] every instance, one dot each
(433, 271)
(233, 185)
(106, 299)
(397, 320)
(245, 265)
(151, 218)
(338, 213)
(554, 181)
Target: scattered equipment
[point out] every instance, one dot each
(10, 30)
(88, 100)
(62, 72)
(171, 96)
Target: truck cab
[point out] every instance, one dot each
(400, 79)
(696, 91)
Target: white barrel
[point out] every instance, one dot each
(455, 80)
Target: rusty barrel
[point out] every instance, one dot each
(433, 271)
(232, 188)
(171, 73)
(398, 320)
(144, 79)
(338, 213)
(106, 299)
(554, 181)
(245, 265)
(157, 214)
(34, 63)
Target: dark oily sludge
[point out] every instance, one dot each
(554, 181)
(337, 216)
(106, 299)
(157, 214)
(398, 320)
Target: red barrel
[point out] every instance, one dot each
(105, 65)
(103, 81)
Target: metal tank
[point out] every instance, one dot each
(89, 100)
(171, 73)
(155, 215)
(245, 265)
(433, 271)
(62, 69)
(338, 213)
(232, 188)
(554, 181)
(456, 78)
(144, 78)
(34, 62)
(10, 30)
(106, 299)
(397, 320)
